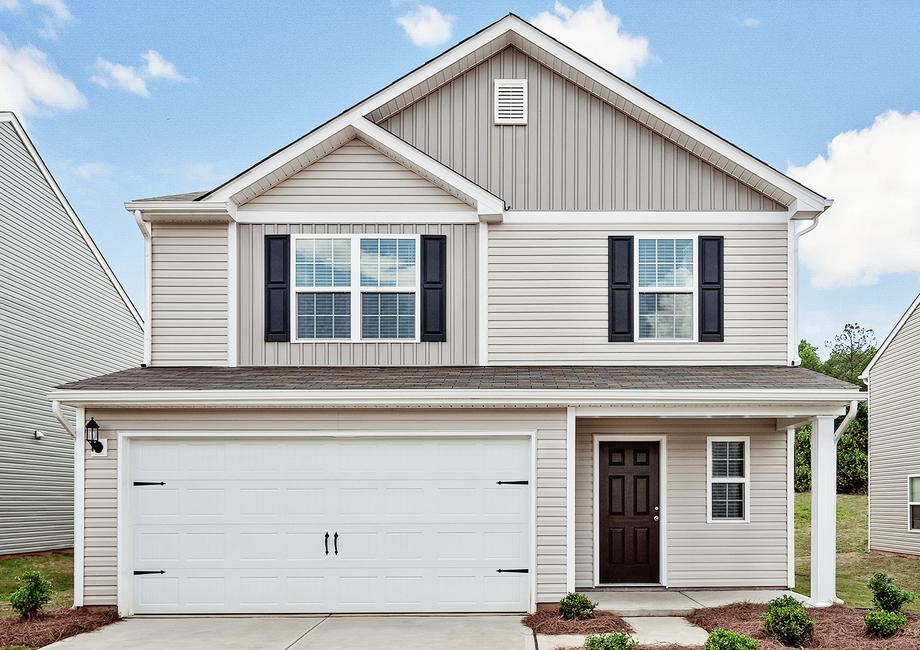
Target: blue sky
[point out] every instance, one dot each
(227, 83)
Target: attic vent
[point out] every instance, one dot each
(511, 101)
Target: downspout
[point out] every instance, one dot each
(65, 422)
(854, 407)
(797, 361)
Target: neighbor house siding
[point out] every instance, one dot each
(62, 320)
(548, 296)
(549, 426)
(576, 151)
(189, 294)
(462, 304)
(700, 554)
(894, 440)
(355, 177)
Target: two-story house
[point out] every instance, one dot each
(507, 328)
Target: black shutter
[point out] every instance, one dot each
(712, 289)
(277, 288)
(620, 289)
(433, 302)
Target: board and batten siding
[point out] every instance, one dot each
(894, 440)
(189, 294)
(100, 582)
(576, 151)
(62, 320)
(462, 304)
(548, 296)
(700, 554)
(355, 177)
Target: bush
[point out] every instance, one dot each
(887, 596)
(34, 594)
(574, 607)
(884, 624)
(721, 639)
(612, 641)
(787, 621)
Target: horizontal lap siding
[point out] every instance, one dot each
(62, 320)
(894, 440)
(548, 296)
(189, 294)
(355, 177)
(576, 152)
(699, 554)
(549, 425)
(462, 304)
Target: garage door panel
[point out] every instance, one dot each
(240, 525)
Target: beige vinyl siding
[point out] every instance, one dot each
(355, 177)
(700, 554)
(576, 152)
(548, 296)
(462, 304)
(62, 320)
(549, 425)
(894, 440)
(189, 294)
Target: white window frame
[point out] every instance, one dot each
(693, 291)
(509, 82)
(354, 289)
(910, 503)
(711, 480)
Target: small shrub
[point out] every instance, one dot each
(612, 641)
(33, 594)
(787, 621)
(882, 624)
(721, 639)
(887, 596)
(574, 607)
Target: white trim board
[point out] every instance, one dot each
(309, 217)
(662, 440)
(79, 505)
(46, 173)
(894, 332)
(642, 219)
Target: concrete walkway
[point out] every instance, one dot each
(679, 603)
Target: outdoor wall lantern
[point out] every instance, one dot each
(92, 436)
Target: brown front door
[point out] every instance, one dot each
(628, 512)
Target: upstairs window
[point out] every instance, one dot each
(666, 289)
(355, 288)
(510, 101)
(913, 503)
(728, 467)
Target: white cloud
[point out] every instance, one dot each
(426, 26)
(54, 14)
(873, 227)
(751, 22)
(596, 33)
(30, 84)
(134, 80)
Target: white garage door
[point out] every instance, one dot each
(413, 525)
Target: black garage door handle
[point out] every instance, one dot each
(335, 542)
(327, 542)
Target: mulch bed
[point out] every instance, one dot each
(47, 627)
(551, 622)
(837, 627)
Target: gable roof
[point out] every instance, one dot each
(512, 30)
(914, 306)
(55, 188)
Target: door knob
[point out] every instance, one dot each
(655, 518)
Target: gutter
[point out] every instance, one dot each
(68, 426)
(854, 406)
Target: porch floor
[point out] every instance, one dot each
(639, 602)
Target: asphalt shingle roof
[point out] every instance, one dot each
(463, 377)
(187, 196)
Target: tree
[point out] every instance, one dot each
(851, 352)
(809, 356)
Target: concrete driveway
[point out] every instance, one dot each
(308, 633)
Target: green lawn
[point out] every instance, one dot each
(854, 564)
(56, 567)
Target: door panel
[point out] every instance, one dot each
(628, 512)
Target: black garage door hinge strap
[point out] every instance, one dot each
(513, 571)
(149, 483)
(512, 482)
(144, 573)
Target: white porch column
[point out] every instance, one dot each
(823, 512)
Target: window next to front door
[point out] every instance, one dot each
(728, 469)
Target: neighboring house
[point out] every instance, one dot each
(505, 329)
(893, 378)
(63, 315)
